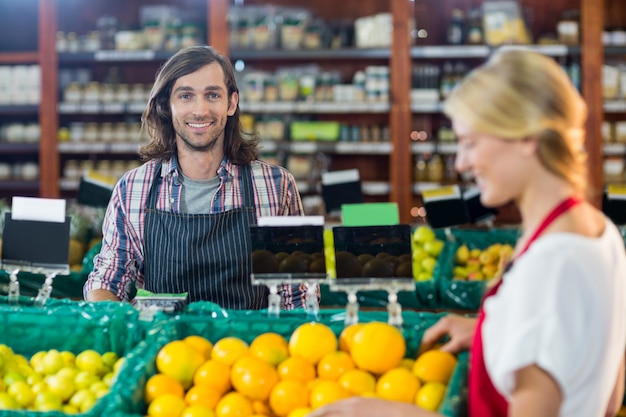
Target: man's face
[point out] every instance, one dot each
(200, 106)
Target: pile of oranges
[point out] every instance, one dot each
(276, 377)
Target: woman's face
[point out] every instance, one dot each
(497, 165)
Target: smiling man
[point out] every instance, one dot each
(180, 222)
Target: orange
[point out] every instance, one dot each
(160, 384)
(203, 395)
(270, 347)
(261, 408)
(197, 411)
(229, 349)
(434, 366)
(166, 405)
(378, 347)
(397, 384)
(200, 344)
(430, 396)
(297, 369)
(300, 412)
(213, 374)
(253, 378)
(346, 336)
(286, 396)
(334, 364)
(233, 404)
(407, 363)
(358, 381)
(326, 392)
(180, 361)
(311, 341)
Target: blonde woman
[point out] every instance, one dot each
(551, 334)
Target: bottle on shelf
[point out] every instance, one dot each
(456, 28)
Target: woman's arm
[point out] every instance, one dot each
(617, 396)
(371, 407)
(535, 394)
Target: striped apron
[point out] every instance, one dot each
(205, 255)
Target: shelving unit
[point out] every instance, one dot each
(387, 167)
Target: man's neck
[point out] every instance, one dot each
(200, 165)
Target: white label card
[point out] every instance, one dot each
(38, 209)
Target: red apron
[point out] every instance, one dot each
(483, 398)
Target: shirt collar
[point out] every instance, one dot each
(170, 167)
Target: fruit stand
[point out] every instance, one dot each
(129, 386)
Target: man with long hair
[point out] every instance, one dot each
(180, 222)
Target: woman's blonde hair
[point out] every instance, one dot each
(521, 94)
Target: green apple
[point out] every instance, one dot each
(433, 247)
(423, 234)
(429, 264)
(419, 253)
(424, 276)
(459, 272)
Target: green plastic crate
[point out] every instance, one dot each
(459, 294)
(73, 326)
(248, 324)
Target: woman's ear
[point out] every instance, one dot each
(529, 145)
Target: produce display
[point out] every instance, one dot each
(289, 376)
(477, 264)
(426, 250)
(56, 380)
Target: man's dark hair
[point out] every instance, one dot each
(239, 148)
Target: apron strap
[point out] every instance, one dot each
(151, 202)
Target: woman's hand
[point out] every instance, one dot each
(460, 329)
(370, 407)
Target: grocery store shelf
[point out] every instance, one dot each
(483, 51)
(14, 58)
(114, 56)
(427, 107)
(66, 184)
(610, 149)
(305, 55)
(19, 148)
(314, 107)
(19, 109)
(446, 148)
(98, 147)
(614, 106)
(19, 185)
(347, 148)
(101, 108)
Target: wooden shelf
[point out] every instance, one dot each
(17, 58)
(307, 55)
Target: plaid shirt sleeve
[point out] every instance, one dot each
(120, 261)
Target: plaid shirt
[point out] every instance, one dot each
(121, 260)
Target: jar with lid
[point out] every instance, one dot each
(122, 93)
(71, 170)
(77, 131)
(73, 43)
(92, 92)
(120, 132)
(91, 132)
(118, 168)
(92, 41)
(107, 93)
(104, 167)
(173, 36)
(61, 42)
(106, 132)
(136, 93)
(190, 35)
(435, 168)
(568, 27)
(73, 93)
